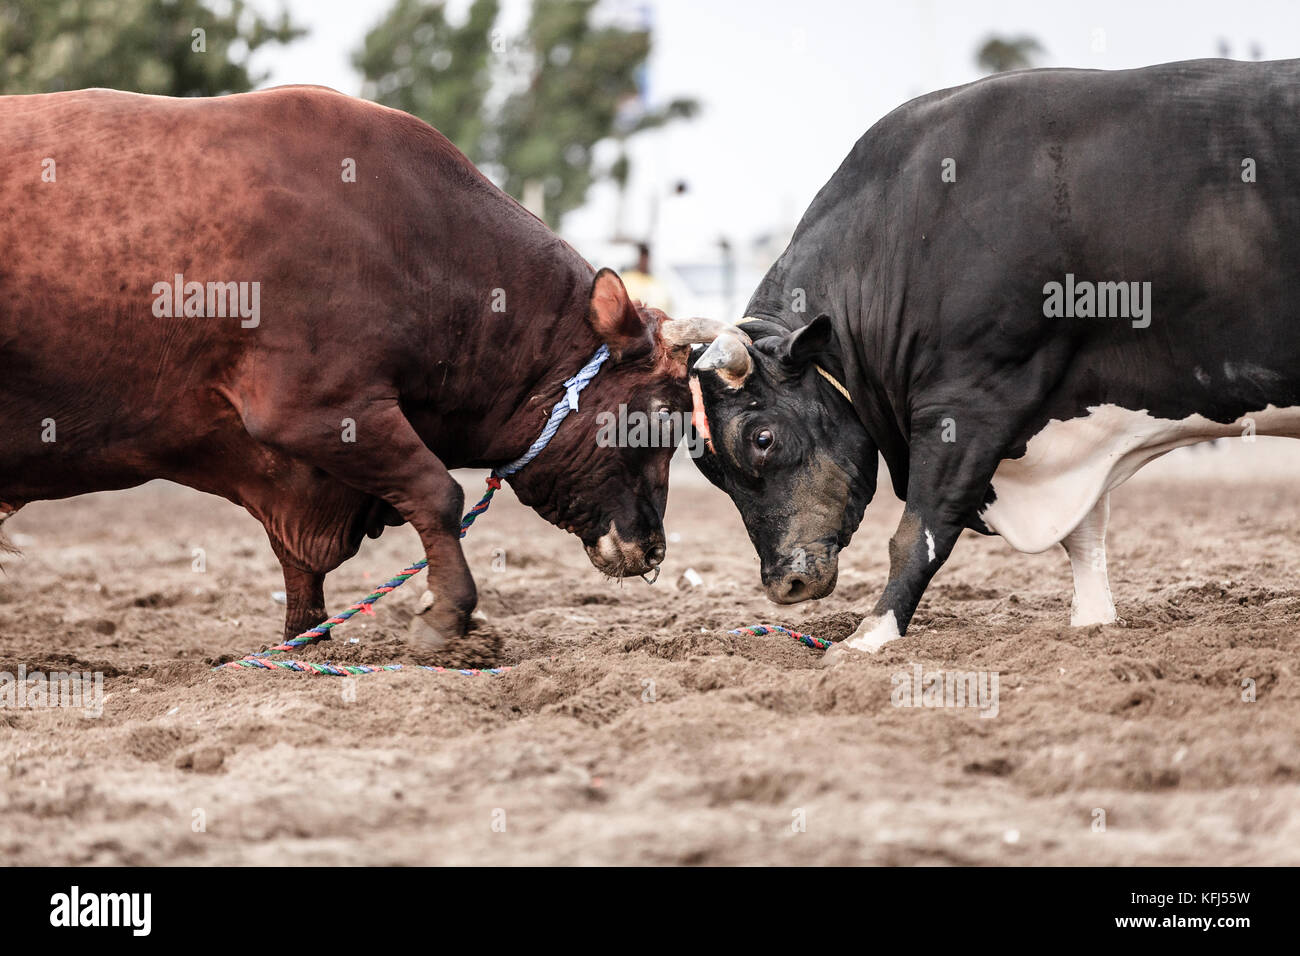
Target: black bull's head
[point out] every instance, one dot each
(787, 447)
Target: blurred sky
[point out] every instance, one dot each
(787, 86)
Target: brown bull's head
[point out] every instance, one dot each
(604, 475)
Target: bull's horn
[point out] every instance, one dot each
(683, 332)
(729, 358)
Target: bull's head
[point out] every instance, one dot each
(789, 450)
(609, 485)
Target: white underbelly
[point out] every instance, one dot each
(1069, 465)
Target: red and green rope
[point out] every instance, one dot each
(266, 660)
(346, 670)
(365, 606)
(761, 630)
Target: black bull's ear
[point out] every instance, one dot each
(808, 343)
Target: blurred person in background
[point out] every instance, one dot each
(642, 285)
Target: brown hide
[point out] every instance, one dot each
(417, 302)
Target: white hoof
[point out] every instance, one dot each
(872, 635)
(1091, 616)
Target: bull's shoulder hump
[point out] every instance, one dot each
(303, 102)
(345, 109)
(313, 110)
(1058, 89)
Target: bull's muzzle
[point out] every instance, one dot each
(614, 556)
(806, 578)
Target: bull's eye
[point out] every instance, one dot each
(764, 440)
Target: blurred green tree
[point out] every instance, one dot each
(416, 61)
(149, 46)
(565, 84)
(999, 54)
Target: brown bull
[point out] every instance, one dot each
(312, 306)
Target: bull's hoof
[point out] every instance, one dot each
(434, 626)
(452, 644)
(423, 632)
(873, 634)
(838, 653)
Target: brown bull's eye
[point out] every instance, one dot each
(764, 439)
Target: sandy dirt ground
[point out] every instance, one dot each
(633, 728)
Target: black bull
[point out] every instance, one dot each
(1029, 287)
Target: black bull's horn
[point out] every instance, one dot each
(726, 353)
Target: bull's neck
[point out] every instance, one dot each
(797, 290)
(791, 295)
(513, 373)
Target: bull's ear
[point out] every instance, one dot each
(805, 345)
(615, 319)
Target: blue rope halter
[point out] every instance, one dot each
(569, 403)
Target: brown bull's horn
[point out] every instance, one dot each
(729, 357)
(683, 332)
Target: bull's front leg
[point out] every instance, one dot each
(946, 485)
(304, 593)
(388, 460)
(917, 550)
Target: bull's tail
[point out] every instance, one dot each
(6, 546)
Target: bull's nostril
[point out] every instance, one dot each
(795, 588)
(655, 555)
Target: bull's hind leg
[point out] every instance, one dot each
(7, 511)
(1086, 546)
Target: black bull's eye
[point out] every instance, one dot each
(764, 439)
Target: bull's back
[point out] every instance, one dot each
(1185, 176)
(106, 194)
